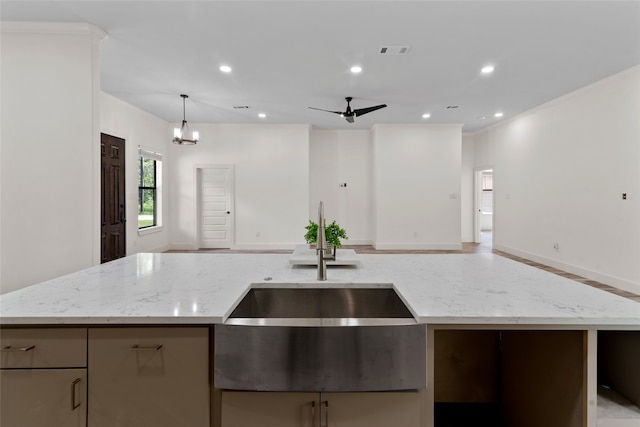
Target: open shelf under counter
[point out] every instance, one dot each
(616, 411)
(618, 373)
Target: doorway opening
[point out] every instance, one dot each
(483, 207)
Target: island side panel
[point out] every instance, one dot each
(543, 378)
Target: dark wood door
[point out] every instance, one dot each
(113, 198)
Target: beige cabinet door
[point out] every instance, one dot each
(382, 409)
(269, 409)
(43, 397)
(149, 377)
(265, 409)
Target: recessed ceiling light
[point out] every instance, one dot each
(487, 69)
(262, 115)
(426, 115)
(498, 114)
(225, 68)
(356, 69)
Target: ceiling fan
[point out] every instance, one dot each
(350, 114)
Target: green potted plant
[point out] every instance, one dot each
(333, 233)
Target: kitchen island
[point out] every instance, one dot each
(481, 304)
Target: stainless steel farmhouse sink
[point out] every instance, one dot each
(320, 339)
(382, 304)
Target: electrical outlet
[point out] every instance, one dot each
(556, 246)
(624, 196)
(258, 234)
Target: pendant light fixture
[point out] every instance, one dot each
(181, 135)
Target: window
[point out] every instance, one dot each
(149, 179)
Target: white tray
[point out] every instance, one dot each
(310, 257)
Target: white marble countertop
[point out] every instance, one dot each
(161, 288)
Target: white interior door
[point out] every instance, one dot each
(483, 202)
(215, 204)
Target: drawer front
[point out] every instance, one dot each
(43, 348)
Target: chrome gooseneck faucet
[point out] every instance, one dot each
(321, 246)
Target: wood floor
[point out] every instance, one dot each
(485, 246)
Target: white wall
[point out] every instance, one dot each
(417, 186)
(139, 128)
(483, 151)
(50, 222)
(560, 171)
(337, 157)
(467, 193)
(271, 183)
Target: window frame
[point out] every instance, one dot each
(148, 154)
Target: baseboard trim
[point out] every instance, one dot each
(419, 246)
(290, 246)
(263, 246)
(616, 282)
(161, 248)
(183, 247)
(352, 242)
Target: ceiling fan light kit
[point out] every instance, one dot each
(181, 135)
(350, 114)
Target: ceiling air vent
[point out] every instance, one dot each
(241, 107)
(393, 50)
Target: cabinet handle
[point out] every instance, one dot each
(150, 347)
(313, 413)
(74, 385)
(326, 413)
(27, 348)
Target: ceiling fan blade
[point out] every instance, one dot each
(328, 111)
(361, 111)
(350, 115)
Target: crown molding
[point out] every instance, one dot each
(53, 28)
